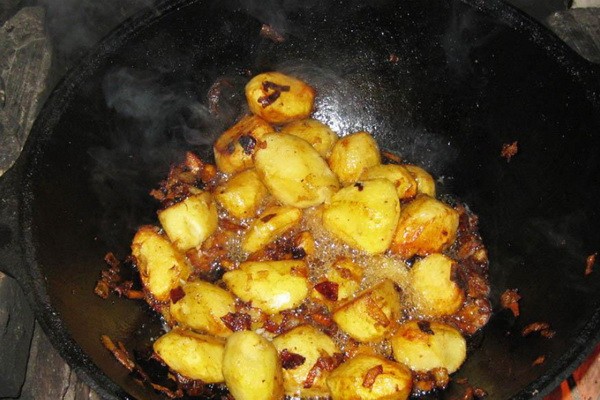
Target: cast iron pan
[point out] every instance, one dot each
(444, 83)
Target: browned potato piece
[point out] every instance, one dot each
(433, 290)
(364, 215)
(279, 98)
(192, 355)
(294, 172)
(423, 346)
(352, 154)
(426, 226)
(271, 223)
(161, 266)
(202, 307)
(405, 184)
(425, 182)
(251, 367)
(189, 222)
(242, 194)
(347, 275)
(371, 315)
(319, 135)
(272, 286)
(234, 148)
(311, 344)
(369, 377)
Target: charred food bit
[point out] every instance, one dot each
(268, 32)
(509, 150)
(539, 361)
(393, 58)
(510, 300)
(589, 263)
(291, 360)
(542, 327)
(371, 375)
(328, 289)
(237, 321)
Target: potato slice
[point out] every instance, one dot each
(372, 314)
(271, 224)
(192, 355)
(294, 172)
(161, 266)
(426, 226)
(233, 150)
(279, 98)
(423, 346)
(319, 135)
(352, 154)
(433, 291)
(364, 215)
(405, 184)
(242, 194)
(370, 377)
(311, 344)
(202, 307)
(347, 275)
(272, 286)
(251, 367)
(425, 182)
(189, 222)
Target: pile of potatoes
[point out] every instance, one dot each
(277, 164)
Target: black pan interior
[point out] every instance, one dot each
(443, 83)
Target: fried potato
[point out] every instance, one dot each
(426, 226)
(425, 182)
(192, 355)
(202, 307)
(279, 98)
(233, 150)
(433, 291)
(352, 154)
(347, 275)
(242, 194)
(272, 223)
(189, 222)
(405, 184)
(272, 286)
(372, 314)
(370, 377)
(423, 346)
(319, 135)
(310, 343)
(294, 172)
(251, 367)
(364, 215)
(160, 265)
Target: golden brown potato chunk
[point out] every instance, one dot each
(433, 290)
(251, 367)
(189, 222)
(270, 224)
(311, 344)
(423, 346)
(272, 286)
(242, 194)
(405, 184)
(294, 172)
(192, 355)
(233, 150)
(364, 215)
(369, 377)
(372, 314)
(352, 154)
(425, 182)
(344, 273)
(319, 135)
(202, 307)
(426, 226)
(279, 98)
(161, 266)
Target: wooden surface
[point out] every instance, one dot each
(48, 377)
